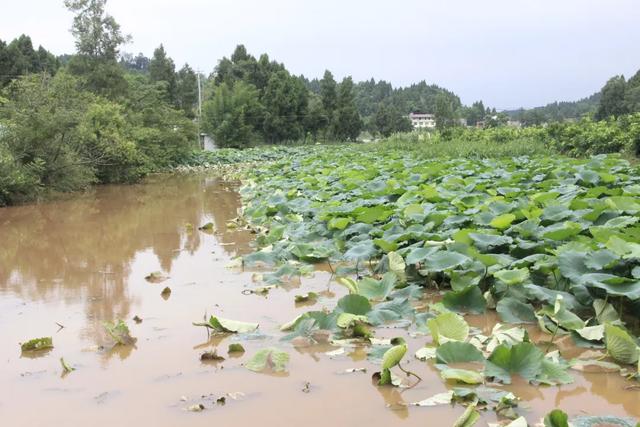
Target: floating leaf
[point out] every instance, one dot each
(156, 277)
(36, 344)
(462, 375)
(235, 348)
(220, 325)
(435, 400)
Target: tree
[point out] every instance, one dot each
(98, 39)
(444, 112)
(18, 58)
(475, 113)
(67, 138)
(162, 69)
(329, 93)
(164, 135)
(285, 105)
(187, 90)
(316, 118)
(97, 33)
(388, 120)
(233, 114)
(632, 94)
(612, 101)
(346, 123)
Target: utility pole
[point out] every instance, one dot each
(200, 139)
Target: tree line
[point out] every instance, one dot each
(618, 97)
(69, 122)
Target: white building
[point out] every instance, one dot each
(422, 121)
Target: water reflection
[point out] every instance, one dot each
(81, 249)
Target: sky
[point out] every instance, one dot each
(508, 53)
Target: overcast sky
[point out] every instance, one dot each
(509, 53)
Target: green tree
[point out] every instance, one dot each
(346, 123)
(233, 115)
(164, 135)
(285, 105)
(388, 120)
(329, 93)
(98, 39)
(187, 90)
(632, 94)
(444, 112)
(162, 69)
(612, 100)
(316, 119)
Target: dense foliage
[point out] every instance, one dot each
(91, 121)
(545, 241)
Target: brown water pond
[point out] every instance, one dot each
(81, 261)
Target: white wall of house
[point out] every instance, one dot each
(422, 121)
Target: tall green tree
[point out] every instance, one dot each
(187, 90)
(98, 40)
(285, 105)
(233, 115)
(163, 69)
(389, 120)
(444, 112)
(316, 119)
(329, 93)
(346, 123)
(612, 100)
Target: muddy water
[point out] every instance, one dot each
(81, 261)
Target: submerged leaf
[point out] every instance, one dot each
(268, 358)
(119, 331)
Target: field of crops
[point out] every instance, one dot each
(549, 243)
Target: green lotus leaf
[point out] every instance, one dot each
(467, 300)
(512, 277)
(523, 359)
(462, 375)
(514, 311)
(458, 352)
(448, 326)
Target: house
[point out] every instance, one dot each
(207, 143)
(422, 121)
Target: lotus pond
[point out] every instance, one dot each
(345, 285)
